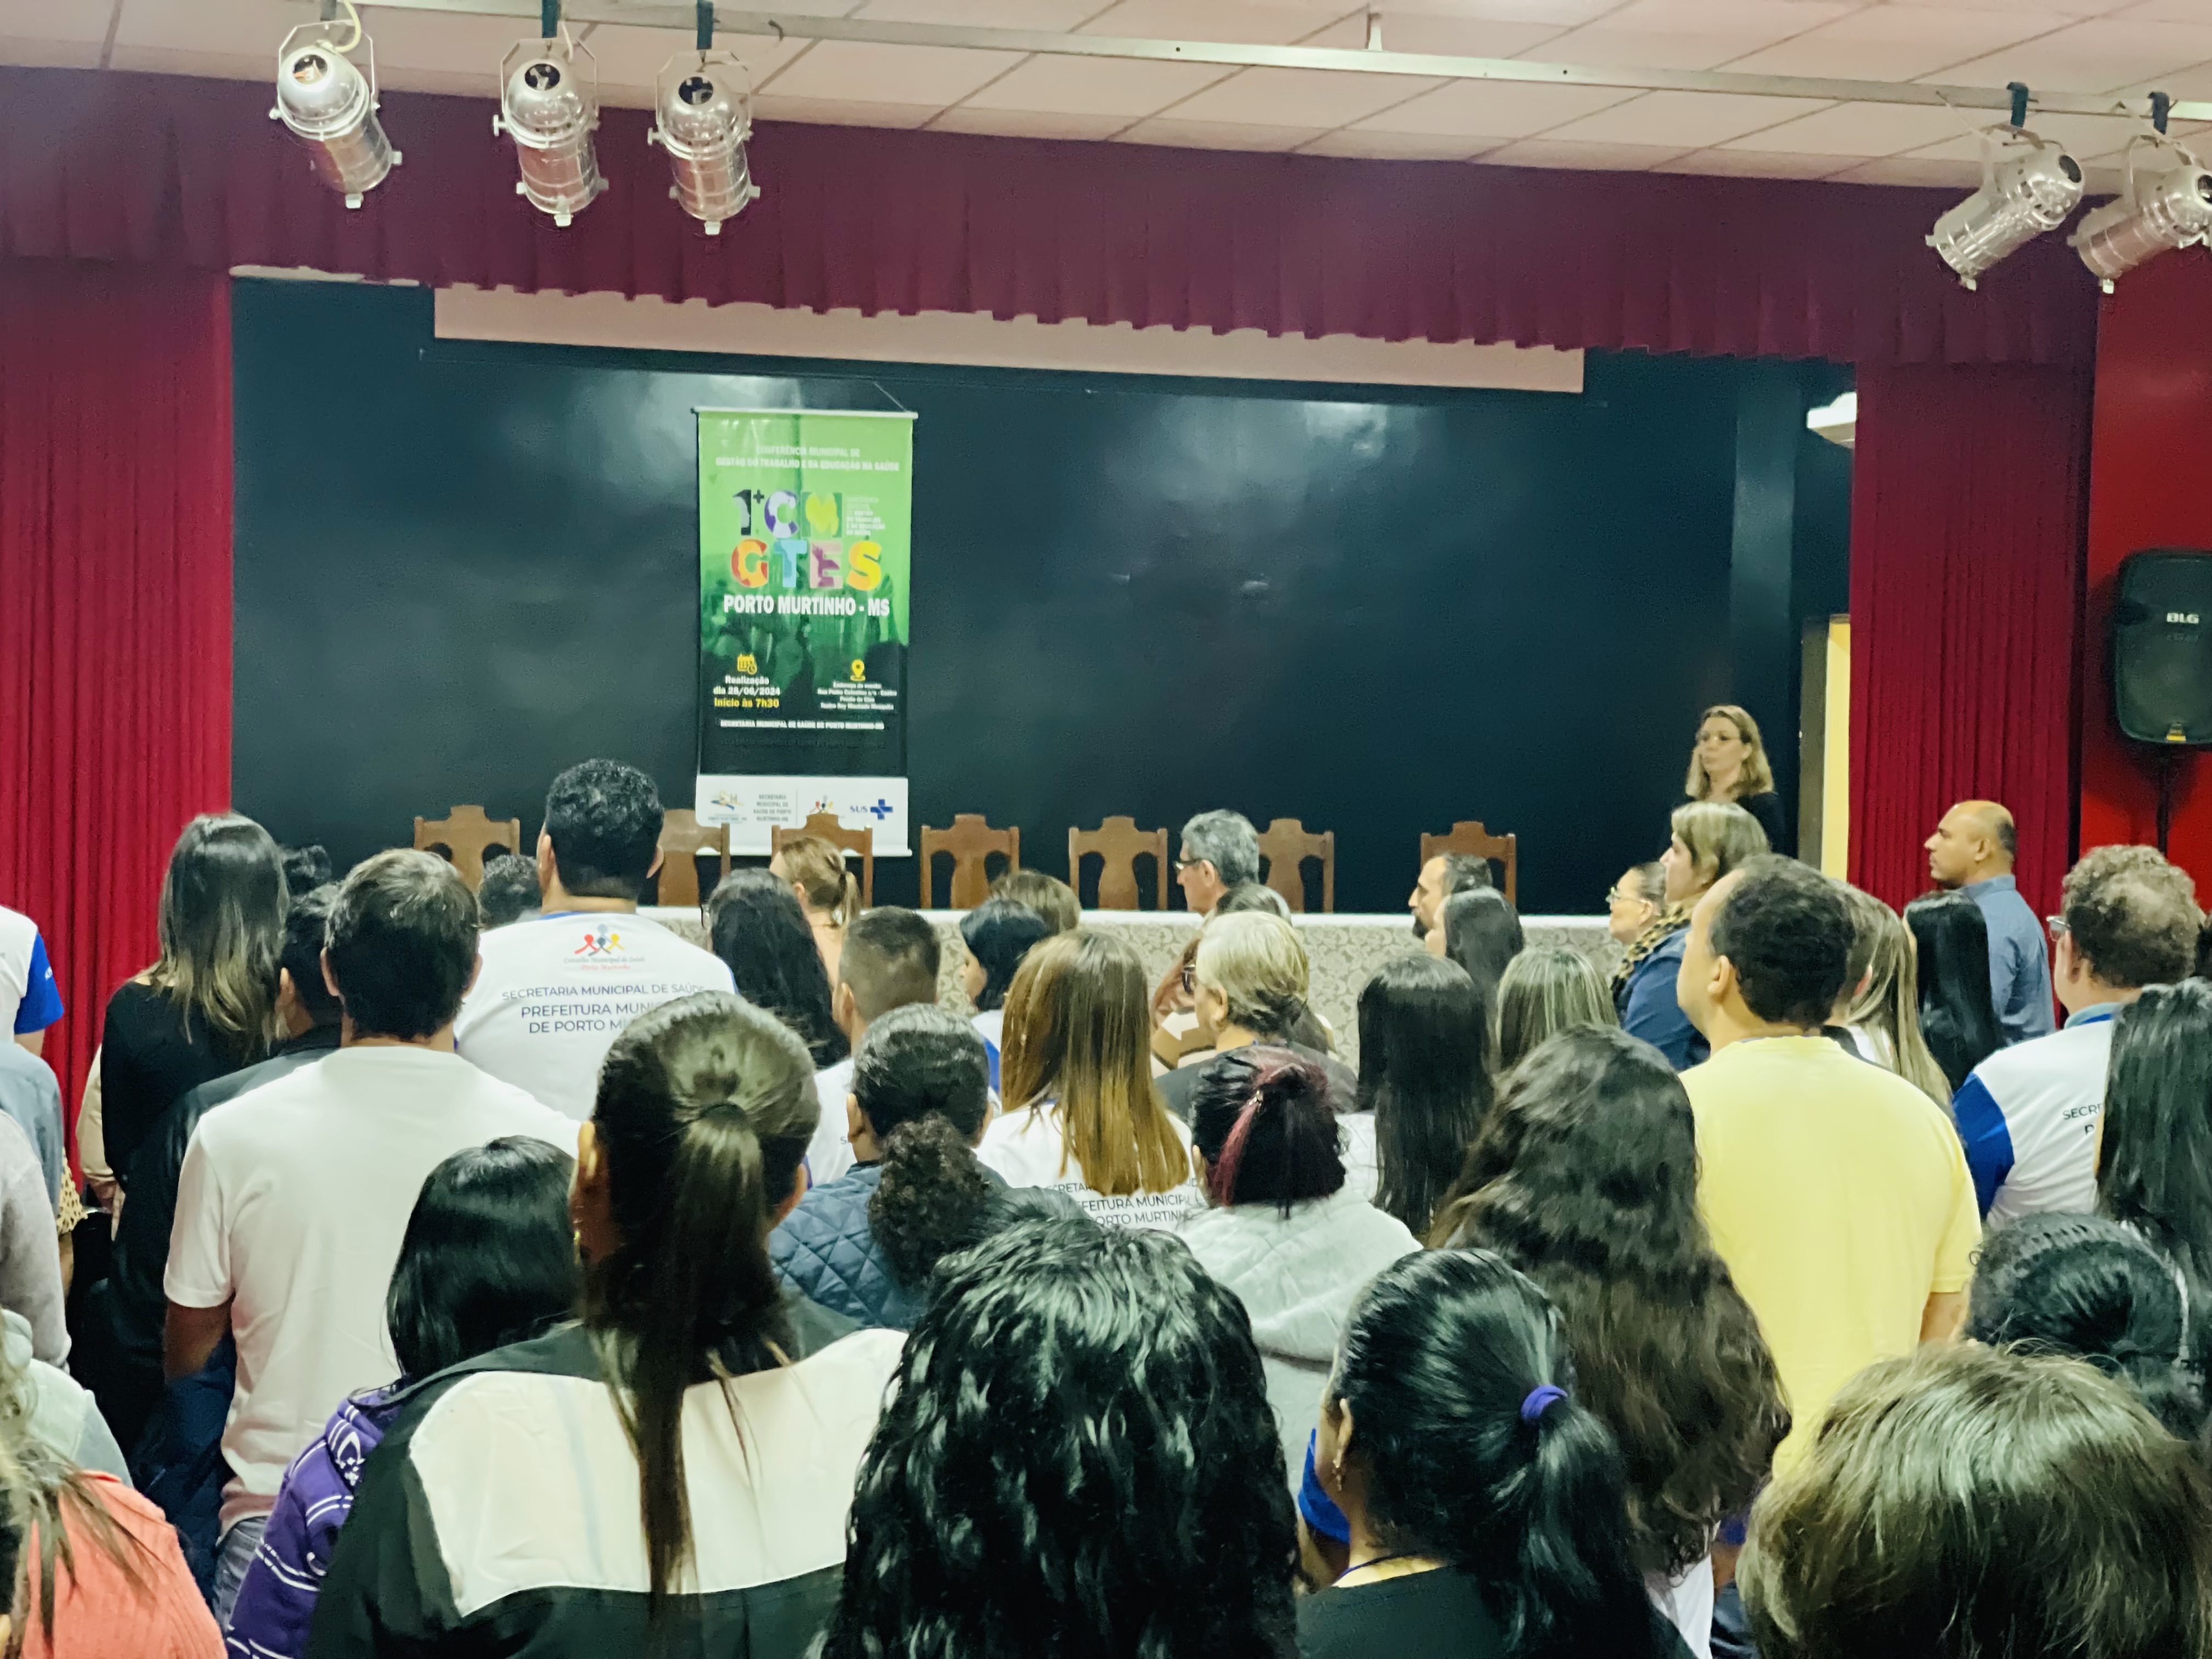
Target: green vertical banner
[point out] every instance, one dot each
(805, 553)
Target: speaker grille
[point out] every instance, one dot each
(2161, 651)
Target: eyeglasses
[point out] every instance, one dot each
(1189, 978)
(2057, 926)
(1624, 896)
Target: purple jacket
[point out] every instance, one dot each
(276, 1604)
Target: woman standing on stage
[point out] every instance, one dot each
(1729, 764)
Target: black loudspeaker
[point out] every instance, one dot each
(2162, 647)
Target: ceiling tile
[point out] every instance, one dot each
(1315, 98)
(1685, 120)
(2071, 7)
(1689, 33)
(2164, 11)
(1911, 170)
(1901, 43)
(842, 112)
(1451, 37)
(1752, 164)
(1027, 123)
(1094, 86)
(2086, 138)
(631, 58)
(1218, 134)
(25, 21)
(447, 46)
(253, 28)
(1494, 109)
(1249, 21)
(31, 52)
(859, 71)
(1055, 16)
(1554, 14)
(1861, 129)
(2103, 56)
(1607, 158)
(1395, 146)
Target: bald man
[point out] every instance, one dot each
(1972, 850)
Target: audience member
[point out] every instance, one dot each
(1249, 979)
(1637, 900)
(293, 1197)
(1879, 1012)
(1441, 876)
(2029, 1114)
(1220, 850)
(695, 1398)
(762, 935)
(1835, 1190)
(305, 868)
(2083, 1285)
(208, 1006)
(2205, 950)
(998, 933)
(1424, 1083)
(32, 1096)
(1481, 931)
(1974, 850)
(1585, 1179)
(864, 1244)
(1487, 1504)
(509, 892)
(1081, 1112)
(1710, 840)
(1544, 991)
(1180, 1037)
(30, 1254)
(30, 1000)
(828, 893)
(1138, 1509)
(552, 994)
(486, 1260)
(1951, 947)
(1729, 764)
(1284, 1232)
(59, 1410)
(1049, 896)
(1970, 1501)
(2154, 1170)
(889, 959)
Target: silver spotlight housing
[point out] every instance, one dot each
(702, 117)
(551, 110)
(2029, 185)
(326, 103)
(2171, 210)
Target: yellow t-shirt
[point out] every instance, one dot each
(1838, 1193)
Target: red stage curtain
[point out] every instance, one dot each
(1967, 508)
(115, 475)
(166, 169)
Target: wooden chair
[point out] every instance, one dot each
(1470, 837)
(466, 835)
(1119, 844)
(1287, 847)
(683, 838)
(823, 826)
(970, 841)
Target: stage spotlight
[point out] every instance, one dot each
(703, 116)
(549, 109)
(331, 107)
(2172, 208)
(2029, 185)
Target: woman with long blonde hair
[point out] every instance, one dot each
(1880, 1010)
(1710, 839)
(1728, 763)
(1081, 1112)
(815, 871)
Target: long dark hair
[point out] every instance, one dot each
(1260, 1117)
(1425, 1073)
(1482, 933)
(222, 931)
(704, 1110)
(1585, 1178)
(998, 933)
(1440, 1358)
(762, 934)
(487, 1259)
(1957, 1016)
(2154, 1173)
(1078, 1457)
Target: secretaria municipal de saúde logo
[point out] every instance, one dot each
(600, 944)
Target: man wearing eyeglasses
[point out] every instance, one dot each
(1974, 850)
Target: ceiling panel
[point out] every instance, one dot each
(2100, 56)
(1754, 164)
(57, 21)
(631, 58)
(1218, 134)
(445, 46)
(1094, 86)
(1917, 170)
(1687, 120)
(1553, 13)
(1690, 34)
(1371, 145)
(841, 113)
(1311, 98)
(1053, 16)
(861, 72)
(2086, 138)
(1248, 21)
(1608, 158)
(1860, 130)
(1453, 37)
(1902, 43)
(2164, 11)
(1027, 123)
(1495, 109)
(252, 29)
(2071, 7)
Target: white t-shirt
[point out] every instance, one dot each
(1026, 1148)
(557, 991)
(1356, 1142)
(28, 1000)
(829, 1154)
(291, 1206)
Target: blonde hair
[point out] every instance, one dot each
(1544, 991)
(1757, 777)
(1889, 1007)
(817, 868)
(222, 931)
(1076, 1035)
(1256, 960)
(1721, 837)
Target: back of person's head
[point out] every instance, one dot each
(306, 930)
(1226, 840)
(305, 867)
(2154, 1166)
(1788, 931)
(1049, 896)
(1255, 961)
(509, 890)
(1585, 1178)
(756, 925)
(705, 1107)
(1140, 1508)
(402, 945)
(1453, 1395)
(1721, 838)
(1544, 991)
(1970, 1501)
(1253, 895)
(603, 820)
(1260, 1118)
(817, 868)
(1464, 872)
(1077, 1038)
(920, 1061)
(889, 960)
(1957, 1016)
(1482, 933)
(998, 933)
(923, 1080)
(1425, 1073)
(487, 1258)
(1881, 991)
(2086, 1287)
(1650, 881)
(222, 929)
(2132, 917)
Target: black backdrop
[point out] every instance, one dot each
(461, 567)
